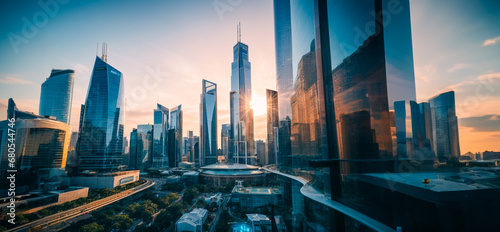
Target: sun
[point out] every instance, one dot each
(258, 105)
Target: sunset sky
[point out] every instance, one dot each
(165, 48)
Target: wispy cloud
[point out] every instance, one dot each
(459, 66)
(482, 123)
(489, 42)
(14, 81)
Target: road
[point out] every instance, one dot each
(84, 209)
(219, 211)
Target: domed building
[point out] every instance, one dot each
(223, 174)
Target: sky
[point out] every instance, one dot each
(165, 48)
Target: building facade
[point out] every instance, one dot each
(208, 123)
(272, 100)
(224, 140)
(175, 137)
(242, 122)
(444, 126)
(160, 138)
(141, 148)
(56, 97)
(41, 149)
(102, 121)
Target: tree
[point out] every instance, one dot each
(121, 221)
(92, 227)
(189, 195)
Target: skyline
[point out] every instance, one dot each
(439, 65)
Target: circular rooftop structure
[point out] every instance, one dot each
(223, 174)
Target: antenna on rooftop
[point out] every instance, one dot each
(104, 52)
(239, 31)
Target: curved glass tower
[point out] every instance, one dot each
(100, 145)
(57, 95)
(208, 123)
(160, 142)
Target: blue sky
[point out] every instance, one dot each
(183, 42)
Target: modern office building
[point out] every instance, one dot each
(160, 138)
(283, 45)
(444, 126)
(102, 121)
(350, 67)
(224, 140)
(242, 123)
(175, 137)
(141, 147)
(41, 149)
(208, 123)
(272, 124)
(56, 97)
(260, 149)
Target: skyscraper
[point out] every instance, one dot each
(175, 137)
(283, 44)
(56, 96)
(208, 123)
(260, 148)
(350, 66)
(224, 140)
(100, 142)
(272, 100)
(160, 138)
(444, 126)
(141, 147)
(41, 148)
(241, 94)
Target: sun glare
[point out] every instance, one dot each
(258, 105)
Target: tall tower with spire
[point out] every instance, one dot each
(242, 124)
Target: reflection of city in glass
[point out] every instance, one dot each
(160, 142)
(57, 95)
(241, 114)
(208, 123)
(100, 142)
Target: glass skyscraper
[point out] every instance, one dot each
(160, 142)
(100, 142)
(350, 66)
(242, 123)
(224, 140)
(41, 148)
(444, 126)
(175, 137)
(283, 44)
(272, 100)
(141, 147)
(56, 96)
(208, 123)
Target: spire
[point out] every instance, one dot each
(104, 52)
(238, 31)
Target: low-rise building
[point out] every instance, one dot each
(192, 221)
(103, 180)
(250, 198)
(259, 222)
